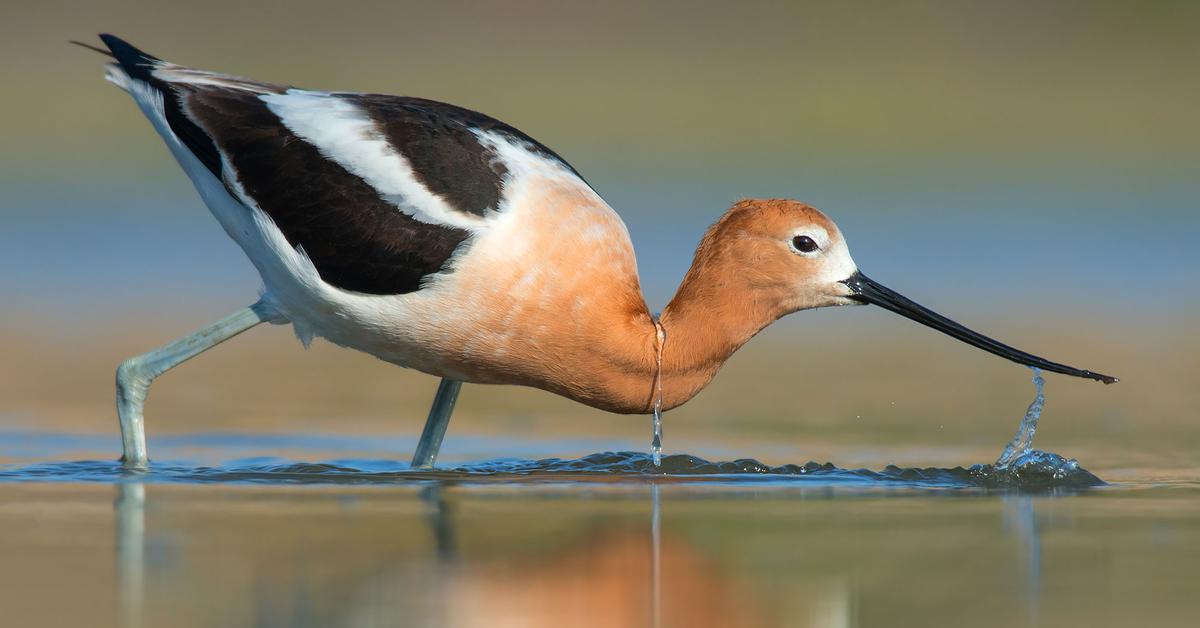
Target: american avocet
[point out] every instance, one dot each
(440, 239)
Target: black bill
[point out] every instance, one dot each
(867, 291)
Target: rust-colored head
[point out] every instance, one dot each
(781, 254)
(765, 259)
(768, 258)
(762, 260)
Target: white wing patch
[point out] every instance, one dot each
(520, 161)
(344, 133)
(172, 73)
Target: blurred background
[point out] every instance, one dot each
(1028, 168)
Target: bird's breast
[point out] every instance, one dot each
(546, 296)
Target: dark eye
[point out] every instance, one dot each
(804, 244)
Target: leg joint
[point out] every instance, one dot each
(132, 370)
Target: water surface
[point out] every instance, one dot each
(607, 539)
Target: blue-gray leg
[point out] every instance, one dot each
(135, 375)
(435, 425)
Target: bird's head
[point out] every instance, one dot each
(780, 256)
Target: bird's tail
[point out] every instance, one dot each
(136, 64)
(159, 89)
(130, 63)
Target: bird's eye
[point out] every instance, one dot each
(804, 244)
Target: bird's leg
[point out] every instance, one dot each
(435, 425)
(135, 375)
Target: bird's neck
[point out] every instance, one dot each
(704, 325)
(621, 361)
(611, 355)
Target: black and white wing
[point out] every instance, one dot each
(378, 191)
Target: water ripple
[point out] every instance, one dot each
(1034, 470)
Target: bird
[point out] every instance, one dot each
(443, 240)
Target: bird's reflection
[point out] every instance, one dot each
(440, 521)
(130, 507)
(1020, 518)
(542, 562)
(656, 555)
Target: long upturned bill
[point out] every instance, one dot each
(868, 290)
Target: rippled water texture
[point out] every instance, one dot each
(1034, 470)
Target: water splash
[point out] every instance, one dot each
(1037, 469)
(660, 339)
(1020, 463)
(1033, 471)
(1022, 443)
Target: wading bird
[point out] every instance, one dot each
(440, 239)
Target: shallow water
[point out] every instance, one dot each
(1034, 471)
(337, 538)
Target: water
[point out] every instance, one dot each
(329, 537)
(656, 555)
(1037, 471)
(656, 438)
(1022, 443)
(660, 341)
(1020, 461)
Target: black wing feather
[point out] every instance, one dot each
(356, 240)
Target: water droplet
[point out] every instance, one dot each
(660, 336)
(656, 440)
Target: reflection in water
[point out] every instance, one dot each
(440, 521)
(468, 564)
(607, 580)
(1021, 518)
(656, 555)
(130, 507)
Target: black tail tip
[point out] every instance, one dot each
(135, 61)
